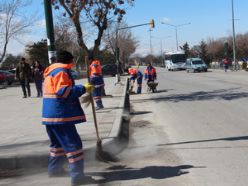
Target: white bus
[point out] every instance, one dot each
(175, 60)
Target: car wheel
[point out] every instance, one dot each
(9, 82)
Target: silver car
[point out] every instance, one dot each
(196, 65)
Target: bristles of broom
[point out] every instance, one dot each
(85, 100)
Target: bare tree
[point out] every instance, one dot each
(126, 42)
(13, 23)
(95, 12)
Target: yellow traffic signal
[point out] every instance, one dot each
(152, 24)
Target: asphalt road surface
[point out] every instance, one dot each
(197, 126)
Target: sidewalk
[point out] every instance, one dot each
(24, 142)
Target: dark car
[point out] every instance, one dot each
(111, 69)
(9, 77)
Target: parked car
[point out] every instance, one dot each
(196, 65)
(111, 69)
(12, 70)
(2, 78)
(9, 77)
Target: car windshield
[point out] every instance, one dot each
(198, 62)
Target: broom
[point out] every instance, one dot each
(100, 154)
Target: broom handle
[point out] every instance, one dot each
(91, 100)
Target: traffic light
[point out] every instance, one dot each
(152, 24)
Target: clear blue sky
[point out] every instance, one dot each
(208, 18)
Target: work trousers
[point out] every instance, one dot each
(25, 85)
(65, 141)
(38, 85)
(98, 83)
(139, 85)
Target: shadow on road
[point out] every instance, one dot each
(140, 113)
(222, 94)
(238, 138)
(120, 173)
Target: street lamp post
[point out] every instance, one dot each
(176, 27)
(117, 52)
(234, 39)
(50, 30)
(151, 51)
(161, 46)
(117, 57)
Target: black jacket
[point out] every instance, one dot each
(23, 71)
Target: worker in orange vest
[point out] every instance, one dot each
(150, 73)
(61, 112)
(133, 76)
(96, 79)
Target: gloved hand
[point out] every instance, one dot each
(89, 88)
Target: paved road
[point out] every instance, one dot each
(199, 118)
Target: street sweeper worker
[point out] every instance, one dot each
(133, 76)
(61, 111)
(150, 73)
(96, 79)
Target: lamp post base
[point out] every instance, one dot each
(117, 79)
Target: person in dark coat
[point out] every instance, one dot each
(24, 74)
(38, 77)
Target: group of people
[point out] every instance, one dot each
(136, 74)
(24, 73)
(61, 109)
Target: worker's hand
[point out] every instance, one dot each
(89, 88)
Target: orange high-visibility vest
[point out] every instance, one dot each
(132, 71)
(95, 68)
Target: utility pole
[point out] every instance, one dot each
(234, 39)
(117, 49)
(50, 30)
(117, 58)
(176, 27)
(151, 51)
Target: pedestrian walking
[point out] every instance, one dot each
(139, 82)
(225, 63)
(96, 79)
(38, 77)
(61, 111)
(23, 74)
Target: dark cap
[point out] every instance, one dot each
(64, 57)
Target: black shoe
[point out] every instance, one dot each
(24, 96)
(99, 107)
(85, 180)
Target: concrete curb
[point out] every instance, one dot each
(39, 160)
